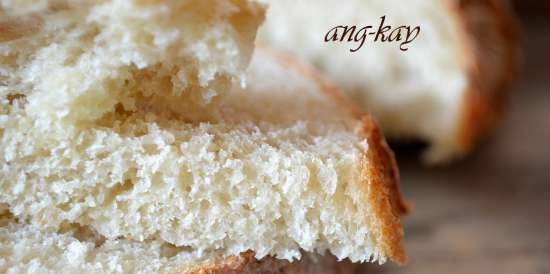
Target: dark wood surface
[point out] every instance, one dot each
(489, 213)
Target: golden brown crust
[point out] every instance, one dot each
(245, 263)
(489, 34)
(379, 175)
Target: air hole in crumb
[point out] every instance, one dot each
(5, 215)
(151, 149)
(13, 28)
(168, 250)
(205, 205)
(124, 187)
(185, 181)
(187, 189)
(15, 97)
(222, 198)
(82, 233)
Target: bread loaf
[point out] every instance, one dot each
(448, 88)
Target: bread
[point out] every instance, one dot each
(113, 134)
(29, 249)
(274, 184)
(76, 61)
(448, 88)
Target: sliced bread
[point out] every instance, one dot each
(283, 169)
(114, 143)
(76, 61)
(448, 88)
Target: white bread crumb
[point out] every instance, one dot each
(417, 94)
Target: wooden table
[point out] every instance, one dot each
(490, 213)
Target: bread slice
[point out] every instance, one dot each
(29, 249)
(278, 168)
(282, 170)
(76, 61)
(448, 88)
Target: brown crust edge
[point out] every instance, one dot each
(379, 174)
(486, 97)
(380, 179)
(246, 263)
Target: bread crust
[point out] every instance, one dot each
(380, 183)
(489, 33)
(246, 263)
(378, 171)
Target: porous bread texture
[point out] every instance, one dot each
(76, 61)
(30, 249)
(418, 94)
(27, 248)
(276, 169)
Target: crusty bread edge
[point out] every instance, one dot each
(379, 175)
(380, 181)
(486, 95)
(246, 263)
